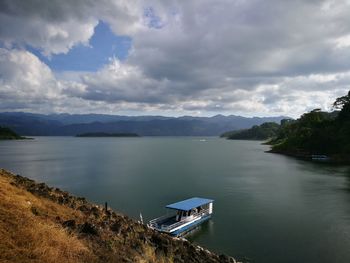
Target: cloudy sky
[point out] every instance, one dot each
(198, 57)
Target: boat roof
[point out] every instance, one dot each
(190, 203)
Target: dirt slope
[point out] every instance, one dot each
(43, 224)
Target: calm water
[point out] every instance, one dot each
(268, 208)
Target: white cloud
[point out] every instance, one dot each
(24, 75)
(235, 57)
(56, 26)
(28, 84)
(342, 42)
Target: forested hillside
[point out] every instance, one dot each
(317, 132)
(8, 134)
(257, 132)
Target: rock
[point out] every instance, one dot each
(159, 239)
(41, 185)
(82, 200)
(73, 204)
(95, 211)
(116, 227)
(34, 210)
(83, 208)
(89, 229)
(226, 259)
(69, 223)
(60, 200)
(178, 259)
(37, 211)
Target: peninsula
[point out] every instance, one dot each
(8, 134)
(316, 133)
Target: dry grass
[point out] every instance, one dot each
(29, 237)
(31, 231)
(150, 256)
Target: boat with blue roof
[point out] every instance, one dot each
(189, 214)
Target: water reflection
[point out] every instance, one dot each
(268, 207)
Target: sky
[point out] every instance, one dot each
(174, 58)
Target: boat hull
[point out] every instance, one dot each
(187, 228)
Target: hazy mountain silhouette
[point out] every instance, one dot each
(72, 124)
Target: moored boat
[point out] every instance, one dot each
(319, 157)
(189, 214)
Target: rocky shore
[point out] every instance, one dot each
(336, 159)
(107, 235)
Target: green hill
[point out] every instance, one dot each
(317, 132)
(314, 133)
(262, 132)
(8, 134)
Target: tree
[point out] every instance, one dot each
(317, 132)
(343, 103)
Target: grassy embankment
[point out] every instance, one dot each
(42, 224)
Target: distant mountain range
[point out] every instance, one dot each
(32, 124)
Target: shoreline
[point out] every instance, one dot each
(108, 235)
(336, 159)
(22, 138)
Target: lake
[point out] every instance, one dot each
(268, 207)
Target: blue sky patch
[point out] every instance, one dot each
(103, 45)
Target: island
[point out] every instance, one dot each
(104, 134)
(8, 134)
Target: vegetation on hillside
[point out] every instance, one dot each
(257, 132)
(317, 132)
(8, 134)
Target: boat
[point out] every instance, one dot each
(189, 214)
(319, 157)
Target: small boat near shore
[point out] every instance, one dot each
(189, 214)
(320, 157)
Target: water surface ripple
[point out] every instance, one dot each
(268, 207)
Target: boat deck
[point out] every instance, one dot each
(190, 213)
(167, 221)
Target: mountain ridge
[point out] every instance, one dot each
(66, 124)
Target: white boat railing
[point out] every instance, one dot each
(168, 228)
(154, 221)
